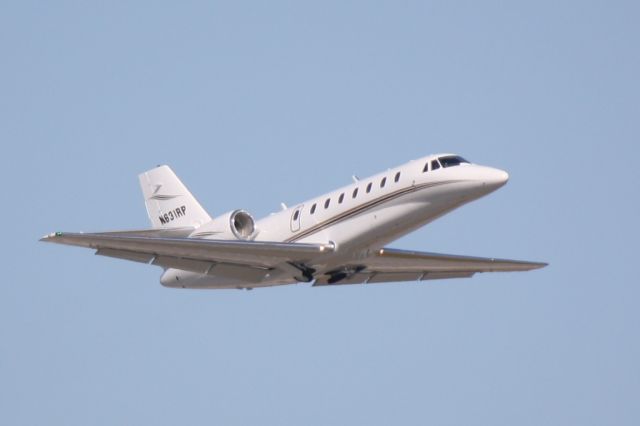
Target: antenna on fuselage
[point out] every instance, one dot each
(355, 178)
(284, 206)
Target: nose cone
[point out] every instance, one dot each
(498, 177)
(493, 179)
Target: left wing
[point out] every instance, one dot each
(391, 265)
(192, 254)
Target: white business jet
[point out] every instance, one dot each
(336, 238)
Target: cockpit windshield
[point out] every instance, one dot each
(452, 160)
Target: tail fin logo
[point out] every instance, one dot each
(161, 197)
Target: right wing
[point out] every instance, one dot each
(392, 265)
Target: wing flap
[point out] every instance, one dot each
(386, 277)
(192, 265)
(126, 255)
(241, 272)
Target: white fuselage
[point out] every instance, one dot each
(361, 217)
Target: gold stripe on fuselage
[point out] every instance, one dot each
(364, 207)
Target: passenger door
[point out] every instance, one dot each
(295, 218)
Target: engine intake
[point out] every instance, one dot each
(242, 224)
(237, 224)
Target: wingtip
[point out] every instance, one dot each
(50, 236)
(539, 265)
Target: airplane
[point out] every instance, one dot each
(337, 238)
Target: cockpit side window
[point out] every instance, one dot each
(426, 167)
(435, 165)
(452, 160)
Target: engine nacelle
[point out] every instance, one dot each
(234, 225)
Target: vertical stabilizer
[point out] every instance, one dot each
(169, 203)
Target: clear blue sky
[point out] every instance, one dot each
(258, 103)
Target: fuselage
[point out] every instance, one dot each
(364, 216)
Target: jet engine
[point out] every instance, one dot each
(233, 225)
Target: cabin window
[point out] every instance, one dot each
(355, 193)
(426, 167)
(435, 165)
(341, 198)
(326, 203)
(296, 215)
(313, 208)
(397, 178)
(383, 182)
(369, 187)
